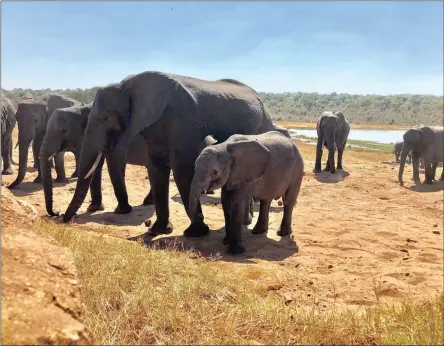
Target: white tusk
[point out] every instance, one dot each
(50, 158)
(93, 168)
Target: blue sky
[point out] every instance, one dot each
(361, 48)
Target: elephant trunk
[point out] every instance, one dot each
(404, 153)
(198, 185)
(23, 161)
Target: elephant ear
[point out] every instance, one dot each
(209, 140)
(249, 162)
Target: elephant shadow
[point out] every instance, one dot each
(424, 188)
(257, 246)
(138, 215)
(328, 178)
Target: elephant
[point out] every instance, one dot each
(32, 117)
(397, 152)
(426, 142)
(174, 114)
(266, 166)
(8, 122)
(333, 130)
(64, 132)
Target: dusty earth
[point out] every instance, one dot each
(358, 237)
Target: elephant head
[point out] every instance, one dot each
(65, 128)
(416, 140)
(233, 163)
(31, 118)
(119, 112)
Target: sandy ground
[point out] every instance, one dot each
(358, 237)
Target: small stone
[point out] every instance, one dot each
(308, 295)
(280, 203)
(435, 225)
(147, 222)
(404, 250)
(411, 240)
(275, 287)
(310, 282)
(407, 274)
(330, 266)
(287, 299)
(436, 232)
(405, 258)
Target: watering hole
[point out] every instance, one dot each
(379, 136)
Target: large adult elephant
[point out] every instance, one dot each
(174, 113)
(64, 132)
(426, 142)
(8, 122)
(332, 129)
(32, 117)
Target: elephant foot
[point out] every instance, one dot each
(442, 178)
(225, 241)
(284, 231)
(340, 167)
(7, 171)
(37, 180)
(259, 229)
(236, 248)
(248, 220)
(61, 180)
(428, 181)
(125, 209)
(93, 207)
(75, 175)
(149, 199)
(326, 169)
(157, 228)
(197, 229)
(317, 170)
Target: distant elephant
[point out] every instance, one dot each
(8, 122)
(266, 166)
(397, 152)
(174, 114)
(333, 130)
(426, 142)
(64, 132)
(32, 117)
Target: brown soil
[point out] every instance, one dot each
(40, 292)
(360, 236)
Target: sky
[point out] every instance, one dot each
(343, 47)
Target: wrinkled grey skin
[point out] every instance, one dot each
(426, 142)
(266, 166)
(174, 113)
(332, 129)
(32, 117)
(8, 122)
(397, 152)
(64, 132)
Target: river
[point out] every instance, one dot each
(380, 136)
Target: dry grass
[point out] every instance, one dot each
(135, 295)
(303, 125)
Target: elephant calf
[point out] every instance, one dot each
(397, 152)
(332, 129)
(266, 166)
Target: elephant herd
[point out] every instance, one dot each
(210, 134)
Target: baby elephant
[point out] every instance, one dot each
(397, 152)
(266, 166)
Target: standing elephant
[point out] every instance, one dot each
(397, 152)
(266, 166)
(8, 122)
(332, 129)
(32, 117)
(64, 132)
(426, 142)
(174, 113)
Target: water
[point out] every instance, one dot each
(380, 136)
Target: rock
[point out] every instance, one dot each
(330, 266)
(411, 240)
(280, 203)
(435, 225)
(436, 232)
(404, 250)
(147, 222)
(275, 286)
(287, 299)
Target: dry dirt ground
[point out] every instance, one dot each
(359, 237)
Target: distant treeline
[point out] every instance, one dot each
(306, 107)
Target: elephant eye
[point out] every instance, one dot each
(214, 173)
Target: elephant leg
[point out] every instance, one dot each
(415, 161)
(434, 166)
(289, 200)
(327, 165)
(149, 199)
(75, 174)
(95, 189)
(428, 170)
(59, 160)
(237, 213)
(6, 155)
(248, 218)
(262, 221)
(340, 153)
(317, 168)
(37, 142)
(226, 206)
(183, 175)
(116, 162)
(35, 155)
(159, 180)
(442, 175)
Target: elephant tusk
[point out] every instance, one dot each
(50, 158)
(93, 168)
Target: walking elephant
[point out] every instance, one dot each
(426, 142)
(8, 122)
(174, 114)
(64, 132)
(332, 129)
(32, 117)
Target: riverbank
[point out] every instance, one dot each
(302, 125)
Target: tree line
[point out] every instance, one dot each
(306, 107)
